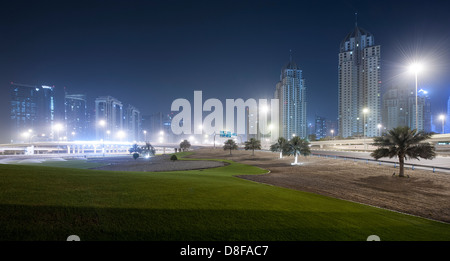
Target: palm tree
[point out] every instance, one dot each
(279, 146)
(230, 145)
(404, 143)
(297, 146)
(253, 144)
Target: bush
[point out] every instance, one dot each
(173, 158)
(135, 155)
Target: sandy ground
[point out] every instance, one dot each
(158, 163)
(424, 193)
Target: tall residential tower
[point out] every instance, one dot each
(291, 92)
(359, 85)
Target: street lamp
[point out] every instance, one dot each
(145, 135)
(58, 127)
(365, 111)
(379, 129)
(102, 124)
(416, 68)
(332, 134)
(161, 136)
(26, 134)
(442, 118)
(120, 135)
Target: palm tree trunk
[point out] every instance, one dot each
(295, 162)
(253, 152)
(281, 154)
(401, 161)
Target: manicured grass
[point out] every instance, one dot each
(47, 203)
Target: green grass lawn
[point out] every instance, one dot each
(49, 203)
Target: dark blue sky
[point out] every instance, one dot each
(148, 53)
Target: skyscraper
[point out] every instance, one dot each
(23, 109)
(75, 108)
(447, 118)
(34, 108)
(109, 117)
(291, 92)
(399, 108)
(321, 127)
(133, 123)
(359, 84)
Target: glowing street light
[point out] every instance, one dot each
(332, 134)
(58, 127)
(416, 68)
(365, 111)
(379, 129)
(442, 118)
(120, 134)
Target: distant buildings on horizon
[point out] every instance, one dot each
(48, 113)
(363, 111)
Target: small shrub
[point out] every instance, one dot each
(173, 157)
(135, 155)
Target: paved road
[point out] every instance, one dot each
(438, 162)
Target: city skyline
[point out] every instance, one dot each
(232, 53)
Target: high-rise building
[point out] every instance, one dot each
(23, 109)
(35, 109)
(359, 84)
(133, 123)
(109, 118)
(75, 108)
(447, 118)
(321, 127)
(158, 127)
(291, 93)
(399, 108)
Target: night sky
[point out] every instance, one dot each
(148, 53)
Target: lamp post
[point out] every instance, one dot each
(58, 127)
(102, 124)
(379, 129)
(365, 111)
(442, 118)
(145, 136)
(416, 68)
(332, 134)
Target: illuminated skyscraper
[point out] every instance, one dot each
(359, 84)
(109, 117)
(291, 92)
(34, 108)
(75, 108)
(133, 122)
(447, 118)
(399, 108)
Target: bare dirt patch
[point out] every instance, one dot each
(424, 193)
